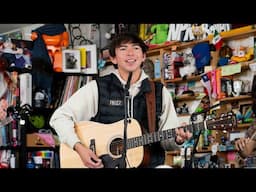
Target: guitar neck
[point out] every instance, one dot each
(253, 137)
(160, 135)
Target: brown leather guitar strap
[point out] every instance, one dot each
(151, 111)
(151, 107)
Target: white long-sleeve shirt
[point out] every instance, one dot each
(83, 105)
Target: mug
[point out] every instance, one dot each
(237, 87)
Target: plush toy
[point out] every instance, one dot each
(160, 33)
(225, 54)
(15, 56)
(9, 47)
(197, 31)
(243, 54)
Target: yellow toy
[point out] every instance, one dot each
(244, 54)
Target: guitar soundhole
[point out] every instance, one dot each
(116, 147)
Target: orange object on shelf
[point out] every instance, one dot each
(54, 44)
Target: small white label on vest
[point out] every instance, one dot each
(115, 102)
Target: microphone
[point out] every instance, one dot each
(126, 120)
(207, 109)
(127, 86)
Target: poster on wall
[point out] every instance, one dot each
(185, 32)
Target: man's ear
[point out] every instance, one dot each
(144, 57)
(113, 60)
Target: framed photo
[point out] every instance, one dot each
(246, 111)
(88, 55)
(244, 108)
(71, 61)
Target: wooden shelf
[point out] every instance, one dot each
(156, 49)
(244, 66)
(174, 45)
(186, 97)
(241, 97)
(232, 35)
(157, 79)
(183, 45)
(169, 157)
(243, 125)
(238, 33)
(180, 80)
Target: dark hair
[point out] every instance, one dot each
(126, 37)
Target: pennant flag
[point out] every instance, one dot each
(217, 40)
(205, 80)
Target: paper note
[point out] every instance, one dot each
(230, 69)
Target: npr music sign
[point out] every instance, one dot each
(184, 32)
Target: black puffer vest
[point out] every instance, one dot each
(111, 108)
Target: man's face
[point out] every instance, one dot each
(129, 57)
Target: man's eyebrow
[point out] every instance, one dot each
(125, 44)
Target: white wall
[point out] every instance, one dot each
(26, 31)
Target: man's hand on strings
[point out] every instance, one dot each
(182, 135)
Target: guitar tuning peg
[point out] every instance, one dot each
(224, 115)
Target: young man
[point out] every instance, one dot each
(102, 100)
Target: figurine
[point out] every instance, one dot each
(54, 42)
(159, 32)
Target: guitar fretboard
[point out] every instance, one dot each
(222, 123)
(160, 136)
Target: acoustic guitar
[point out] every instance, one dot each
(106, 140)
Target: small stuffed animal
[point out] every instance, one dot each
(225, 54)
(242, 54)
(197, 31)
(160, 32)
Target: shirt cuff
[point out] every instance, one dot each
(72, 141)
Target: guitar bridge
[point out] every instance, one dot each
(92, 145)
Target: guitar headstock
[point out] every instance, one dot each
(224, 122)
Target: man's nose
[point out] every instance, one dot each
(130, 51)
